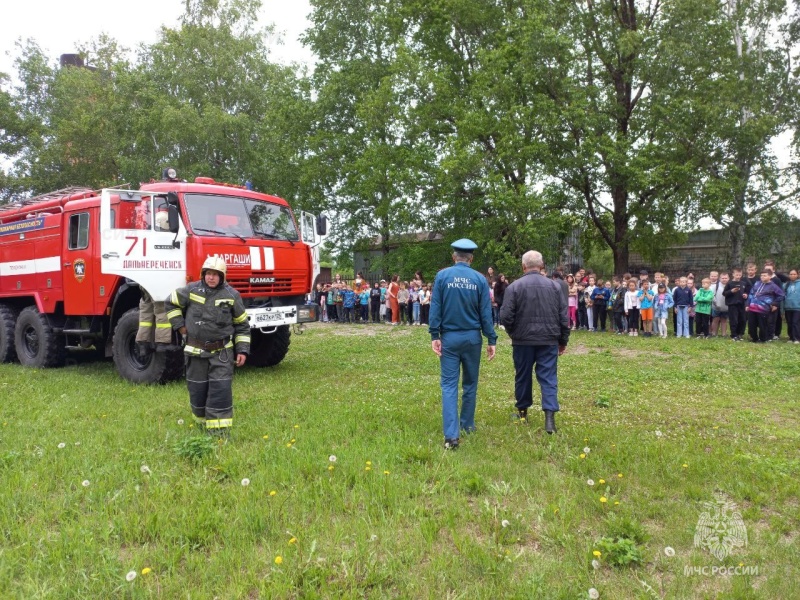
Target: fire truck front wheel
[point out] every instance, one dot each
(268, 349)
(131, 364)
(36, 343)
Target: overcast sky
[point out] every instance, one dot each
(60, 25)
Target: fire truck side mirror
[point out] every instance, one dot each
(173, 218)
(172, 198)
(322, 225)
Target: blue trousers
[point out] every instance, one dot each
(683, 322)
(545, 359)
(461, 355)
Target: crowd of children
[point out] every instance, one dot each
(357, 302)
(722, 304)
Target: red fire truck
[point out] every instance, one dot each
(73, 264)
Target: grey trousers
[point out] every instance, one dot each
(209, 378)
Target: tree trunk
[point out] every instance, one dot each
(621, 246)
(736, 232)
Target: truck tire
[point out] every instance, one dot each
(156, 367)
(35, 342)
(8, 319)
(268, 349)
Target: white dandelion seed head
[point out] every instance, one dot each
(669, 551)
(595, 564)
(590, 482)
(180, 421)
(145, 469)
(62, 445)
(77, 443)
(332, 458)
(658, 433)
(85, 483)
(245, 482)
(505, 523)
(593, 594)
(136, 487)
(587, 450)
(373, 537)
(130, 576)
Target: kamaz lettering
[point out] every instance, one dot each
(257, 280)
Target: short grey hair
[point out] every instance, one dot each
(459, 256)
(532, 260)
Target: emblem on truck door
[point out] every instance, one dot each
(79, 268)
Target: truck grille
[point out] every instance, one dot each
(285, 283)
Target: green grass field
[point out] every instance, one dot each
(99, 478)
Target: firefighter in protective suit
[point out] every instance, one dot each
(211, 316)
(153, 323)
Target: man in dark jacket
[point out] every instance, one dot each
(534, 314)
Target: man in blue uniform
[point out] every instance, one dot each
(461, 309)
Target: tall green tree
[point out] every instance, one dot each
(361, 159)
(750, 100)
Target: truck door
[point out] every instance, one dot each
(77, 263)
(137, 244)
(309, 234)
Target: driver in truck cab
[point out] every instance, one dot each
(211, 316)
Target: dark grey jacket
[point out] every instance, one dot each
(534, 312)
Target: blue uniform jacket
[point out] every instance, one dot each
(460, 301)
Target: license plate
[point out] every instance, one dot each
(268, 317)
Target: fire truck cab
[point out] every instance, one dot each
(75, 263)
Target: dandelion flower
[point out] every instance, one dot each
(131, 575)
(145, 469)
(330, 467)
(386, 472)
(368, 468)
(596, 564)
(146, 571)
(669, 551)
(273, 493)
(297, 426)
(685, 466)
(77, 443)
(585, 439)
(293, 440)
(590, 482)
(658, 433)
(332, 458)
(85, 483)
(613, 445)
(369, 463)
(619, 475)
(602, 481)
(593, 594)
(603, 499)
(289, 445)
(266, 437)
(62, 445)
(278, 560)
(583, 455)
(505, 523)
(597, 553)
(587, 450)
(245, 482)
(616, 502)
(180, 421)
(293, 540)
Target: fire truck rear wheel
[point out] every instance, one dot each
(155, 367)
(268, 349)
(36, 343)
(8, 318)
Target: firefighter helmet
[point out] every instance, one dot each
(162, 221)
(214, 263)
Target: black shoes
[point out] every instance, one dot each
(450, 444)
(549, 422)
(522, 415)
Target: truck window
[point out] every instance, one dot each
(78, 231)
(222, 215)
(134, 215)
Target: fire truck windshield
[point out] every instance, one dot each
(243, 217)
